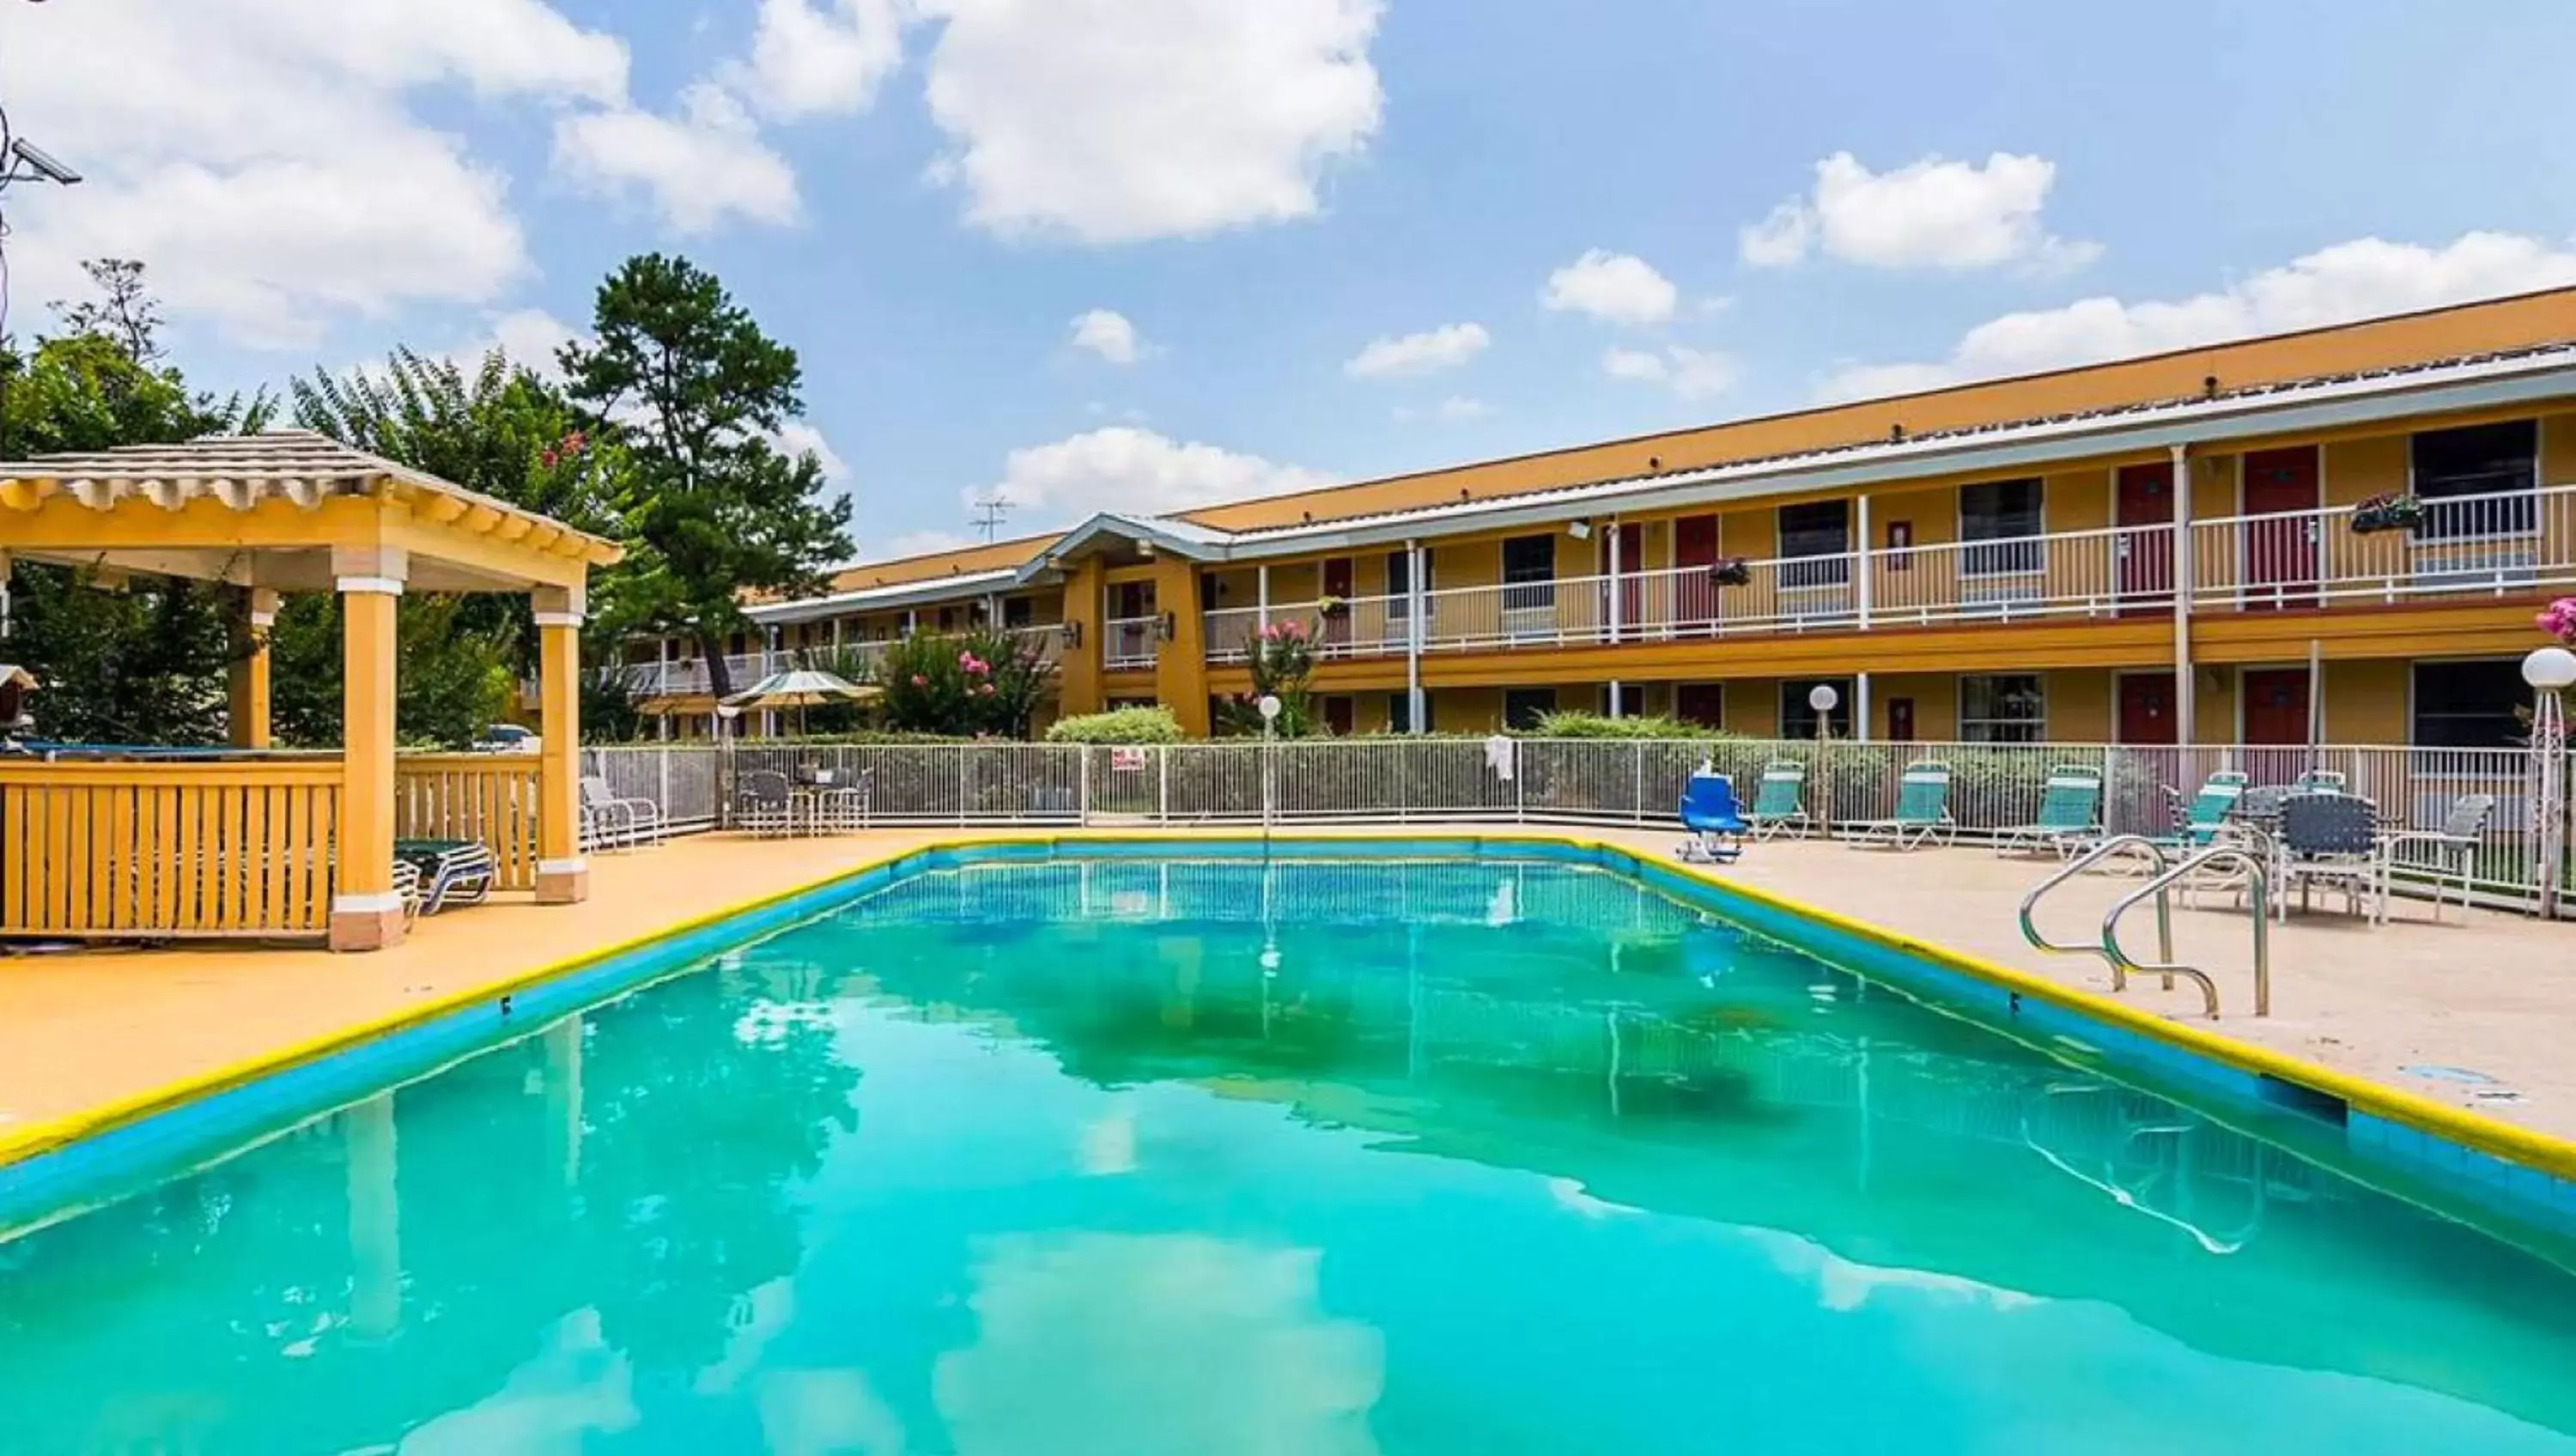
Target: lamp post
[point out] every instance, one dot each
(1823, 699)
(2550, 671)
(1270, 708)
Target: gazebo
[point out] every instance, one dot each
(253, 843)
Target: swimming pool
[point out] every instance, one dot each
(1128, 1154)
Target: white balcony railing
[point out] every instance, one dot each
(2477, 545)
(2493, 545)
(1128, 642)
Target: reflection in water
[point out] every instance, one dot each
(1305, 1157)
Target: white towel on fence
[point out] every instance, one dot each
(1498, 756)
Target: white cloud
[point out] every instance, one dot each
(266, 159)
(699, 167)
(1131, 470)
(1930, 214)
(1108, 335)
(1117, 120)
(525, 336)
(810, 59)
(1614, 287)
(797, 437)
(1693, 374)
(1428, 352)
(1455, 408)
(2351, 280)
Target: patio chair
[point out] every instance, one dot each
(610, 822)
(2330, 839)
(1708, 811)
(450, 871)
(2453, 847)
(765, 804)
(2070, 812)
(1780, 800)
(2320, 781)
(844, 807)
(1922, 810)
(407, 885)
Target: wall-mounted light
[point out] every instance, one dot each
(1579, 530)
(1166, 625)
(1072, 634)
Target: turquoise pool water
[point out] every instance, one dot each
(1133, 1158)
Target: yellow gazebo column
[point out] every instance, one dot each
(1180, 661)
(366, 912)
(563, 876)
(1080, 665)
(246, 713)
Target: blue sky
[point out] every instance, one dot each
(1780, 203)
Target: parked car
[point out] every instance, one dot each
(507, 738)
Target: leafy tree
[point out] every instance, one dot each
(502, 430)
(142, 662)
(684, 382)
(976, 684)
(1282, 660)
(454, 682)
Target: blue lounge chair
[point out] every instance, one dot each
(1780, 802)
(450, 871)
(1922, 810)
(2070, 813)
(1709, 813)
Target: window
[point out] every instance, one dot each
(1798, 720)
(1820, 529)
(1623, 700)
(1019, 611)
(1341, 716)
(2006, 512)
(1523, 707)
(1399, 712)
(2007, 707)
(2478, 461)
(1529, 573)
(1399, 582)
(2470, 704)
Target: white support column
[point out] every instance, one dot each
(1416, 701)
(2186, 711)
(911, 620)
(1261, 596)
(1615, 603)
(1860, 707)
(1860, 569)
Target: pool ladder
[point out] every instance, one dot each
(2159, 886)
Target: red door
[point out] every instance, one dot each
(2147, 712)
(2144, 553)
(1694, 550)
(1632, 589)
(2276, 705)
(1339, 716)
(1703, 704)
(1337, 585)
(2280, 555)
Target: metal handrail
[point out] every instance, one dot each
(2258, 888)
(2117, 843)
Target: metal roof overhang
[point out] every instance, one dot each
(882, 598)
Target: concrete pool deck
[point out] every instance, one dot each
(2488, 994)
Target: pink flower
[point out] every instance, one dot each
(919, 681)
(988, 690)
(2558, 619)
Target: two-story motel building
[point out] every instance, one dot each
(2151, 551)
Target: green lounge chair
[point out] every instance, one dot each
(452, 871)
(1780, 803)
(1922, 810)
(2197, 822)
(2070, 812)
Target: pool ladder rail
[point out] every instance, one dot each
(2161, 879)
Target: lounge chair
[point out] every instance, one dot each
(451, 871)
(610, 822)
(2070, 812)
(2453, 847)
(2330, 839)
(2321, 781)
(2197, 821)
(1922, 810)
(1780, 800)
(1708, 812)
(407, 885)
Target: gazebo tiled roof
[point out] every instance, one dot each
(282, 475)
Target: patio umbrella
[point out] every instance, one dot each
(800, 689)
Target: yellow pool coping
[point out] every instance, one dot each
(2527, 1147)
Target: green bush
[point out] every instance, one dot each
(1574, 723)
(1118, 726)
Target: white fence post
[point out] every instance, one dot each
(1082, 784)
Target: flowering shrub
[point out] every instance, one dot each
(2558, 619)
(982, 684)
(1282, 659)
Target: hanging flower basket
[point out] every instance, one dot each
(2396, 512)
(1734, 571)
(1332, 608)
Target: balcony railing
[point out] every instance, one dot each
(1128, 642)
(2465, 546)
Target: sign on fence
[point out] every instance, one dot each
(1126, 760)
